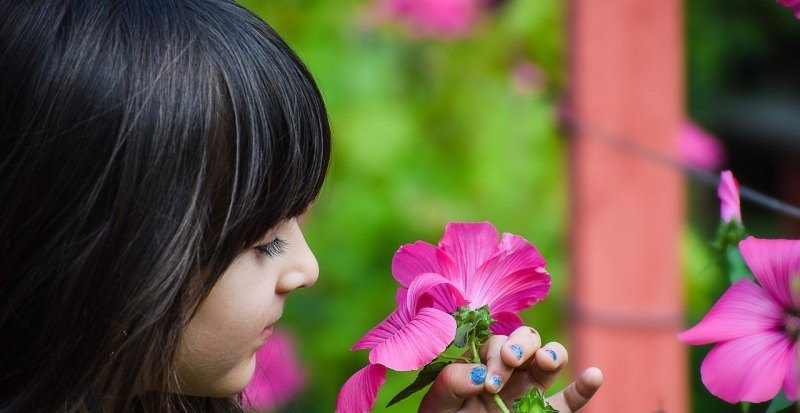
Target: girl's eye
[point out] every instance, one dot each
(273, 248)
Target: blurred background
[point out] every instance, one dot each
(456, 113)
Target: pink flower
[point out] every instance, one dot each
(728, 192)
(756, 328)
(698, 148)
(278, 376)
(792, 4)
(433, 18)
(468, 267)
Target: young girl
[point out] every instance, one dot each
(154, 157)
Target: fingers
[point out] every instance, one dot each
(504, 354)
(577, 394)
(497, 372)
(455, 383)
(547, 364)
(520, 347)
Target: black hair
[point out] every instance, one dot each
(144, 145)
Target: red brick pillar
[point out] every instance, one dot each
(627, 213)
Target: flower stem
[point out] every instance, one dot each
(499, 402)
(476, 358)
(453, 358)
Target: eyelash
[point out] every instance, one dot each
(273, 248)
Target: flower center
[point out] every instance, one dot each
(792, 325)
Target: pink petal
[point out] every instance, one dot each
(469, 244)
(728, 192)
(513, 279)
(433, 290)
(417, 342)
(414, 259)
(792, 4)
(505, 323)
(750, 368)
(427, 290)
(743, 310)
(698, 148)
(776, 265)
(790, 383)
(278, 376)
(358, 394)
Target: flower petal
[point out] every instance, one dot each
(417, 342)
(506, 285)
(776, 265)
(414, 259)
(728, 192)
(505, 323)
(750, 368)
(790, 383)
(433, 290)
(278, 375)
(384, 330)
(469, 244)
(358, 394)
(743, 310)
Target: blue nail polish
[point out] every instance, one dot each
(552, 354)
(496, 381)
(478, 374)
(517, 350)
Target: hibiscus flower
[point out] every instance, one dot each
(756, 327)
(468, 267)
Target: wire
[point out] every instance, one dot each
(624, 144)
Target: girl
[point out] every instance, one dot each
(154, 156)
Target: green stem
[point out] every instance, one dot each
(453, 358)
(476, 358)
(499, 402)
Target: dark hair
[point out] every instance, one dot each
(144, 144)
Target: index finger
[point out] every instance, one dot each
(577, 394)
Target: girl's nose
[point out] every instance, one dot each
(302, 270)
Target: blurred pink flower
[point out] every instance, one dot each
(433, 18)
(756, 328)
(278, 376)
(527, 77)
(698, 148)
(468, 267)
(792, 4)
(728, 192)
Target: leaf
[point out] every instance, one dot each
(533, 402)
(462, 333)
(779, 403)
(737, 268)
(425, 377)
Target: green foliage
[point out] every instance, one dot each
(472, 323)
(533, 402)
(425, 132)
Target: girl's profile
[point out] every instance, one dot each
(155, 156)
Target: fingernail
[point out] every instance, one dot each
(496, 382)
(517, 350)
(552, 354)
(478, 374)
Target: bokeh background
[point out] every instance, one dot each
(462, 124)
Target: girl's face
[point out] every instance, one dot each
(216, 353)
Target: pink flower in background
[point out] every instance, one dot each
(469, 267)
(527, 77)
(698, 148)
(728, 192)
(792, 4)
(278, 376)
(433, 18)
(756, 328)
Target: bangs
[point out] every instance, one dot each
(271, 144)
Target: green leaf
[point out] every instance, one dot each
(425, 377)
(779, 403)
(462, 333)
(737, 268)
(532, 402)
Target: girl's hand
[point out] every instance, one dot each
(514, 364)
